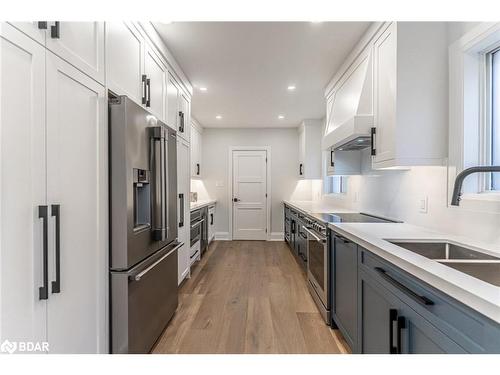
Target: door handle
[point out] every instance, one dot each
(197, 169)
(55, 30)
(148, 100)
(211, 219)
(236, 200)
(43, 290)
(332, 163)
(181, 209)
(197, 223)
(157, 135)
(314, 235)
(300, 169)
(55, 211)
(144, 89)
(372, 138)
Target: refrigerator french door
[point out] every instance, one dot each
(143, 230)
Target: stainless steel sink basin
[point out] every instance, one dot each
(488, 272)
(471, 262)
(443, 251)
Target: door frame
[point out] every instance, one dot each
(268, 186)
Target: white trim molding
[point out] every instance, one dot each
(222, 236)
(277, 236)
(467, 107)
(268, 182)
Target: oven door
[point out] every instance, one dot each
(317, 265)
(196, 231)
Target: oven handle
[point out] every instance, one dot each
(322, 240)
(142, 273)
(197, 223)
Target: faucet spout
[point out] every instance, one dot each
(457, 188)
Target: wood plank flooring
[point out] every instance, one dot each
(248, 297)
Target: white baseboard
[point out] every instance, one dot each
(222, 236)
(276, 236)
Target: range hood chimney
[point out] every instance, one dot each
(350, 116)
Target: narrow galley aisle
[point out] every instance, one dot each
(248, 297)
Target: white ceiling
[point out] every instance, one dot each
(247, 66)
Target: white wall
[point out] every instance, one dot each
(284, 169)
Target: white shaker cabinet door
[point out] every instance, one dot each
(172, 103)
(183, 187)
(125, 60)
(22, 186)
(184, 114)
(77, 182)
(156, 73)
(34, 30)
(81, 44)
(385, 65)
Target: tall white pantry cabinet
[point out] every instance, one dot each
(53, 208)
(54, 173)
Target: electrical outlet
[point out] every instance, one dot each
(422, 205)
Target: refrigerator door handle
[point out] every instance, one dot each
(44, 290)
(158, 155)
(56, 211)
(144, 272)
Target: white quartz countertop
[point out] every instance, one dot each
(202, 203)
(477, 294)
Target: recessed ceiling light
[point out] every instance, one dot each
(203, 89)
(218, 117)
(281, 117)
(291, 87)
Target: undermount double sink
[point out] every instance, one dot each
(474, 263)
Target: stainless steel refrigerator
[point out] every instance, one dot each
(143, 226)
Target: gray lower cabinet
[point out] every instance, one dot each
(389, 326)
(345, 288)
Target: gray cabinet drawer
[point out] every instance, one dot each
(471, 330)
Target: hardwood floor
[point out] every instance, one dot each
(248, 297)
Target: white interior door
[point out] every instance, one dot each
(249, 195)
(77, 181)
(22, 186)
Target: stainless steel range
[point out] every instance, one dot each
(143, 226)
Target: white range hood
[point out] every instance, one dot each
(350, 108)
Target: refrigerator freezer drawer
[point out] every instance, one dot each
(143, 300)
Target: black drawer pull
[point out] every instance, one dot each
(55, 31)
(410, 293)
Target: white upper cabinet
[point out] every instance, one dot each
(156, 83)
(178, 105)
(125, 60)
(81, 44)
(309, 166)
(196, 158)
(410, 95)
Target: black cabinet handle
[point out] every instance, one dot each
(401, 325)
(42, 25)
(332, 163)
(293, 226)
(144, 88)
(197, 169)
(410, 293)
(55, 30)
(55, 211)
(372, 138)
(300, 169)
(181, 125)
(211, 219)
(181, 209)
(393, 318)
(44, 290)
(195, 254)
(148, 100)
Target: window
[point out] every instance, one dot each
(494, 136)
(335, 184)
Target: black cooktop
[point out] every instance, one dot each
(350, 218)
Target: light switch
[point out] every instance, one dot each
(422, 205)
